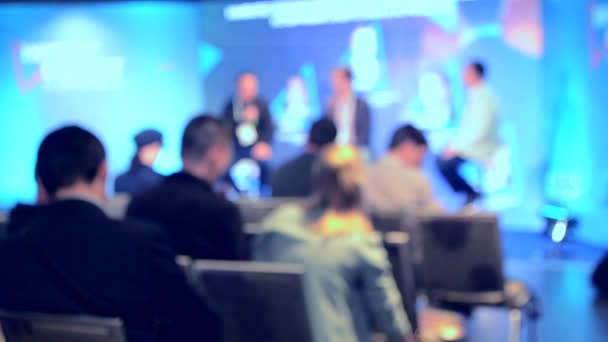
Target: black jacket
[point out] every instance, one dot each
(199, 223)
(138, 178)
(362, 120)
(68, 257)
(264, 125)
(294, 179)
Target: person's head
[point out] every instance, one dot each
(149, 143)
(206, 148)
(247, 87)
(474, 74)
(323, 132)
(409, 145)
(339, 178)
(342, 81)
(71, 161)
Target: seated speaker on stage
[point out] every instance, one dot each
(252, 127)
(348, 279)
(200, 223)
(396, 183)
(477, 137)
(65, 256)
(141, 176)
(294, 179)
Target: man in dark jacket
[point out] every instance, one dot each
(251, 123)
(141, 176)
(199, 223)
(66, 256)
(294, 179)
(350, 112)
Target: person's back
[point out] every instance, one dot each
(396, 183)
(348, 278)
(295, 178)
(141, 176)
(64, 255)
(68, 257)
(199, 223)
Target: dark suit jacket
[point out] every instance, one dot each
(264, 125)
(199, 223)
(294, 179)
(138, 178)
(362, 120)
(69, 257)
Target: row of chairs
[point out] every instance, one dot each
(473, 276)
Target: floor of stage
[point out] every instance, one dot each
(560, 279)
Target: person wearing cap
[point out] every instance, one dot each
(141, 176)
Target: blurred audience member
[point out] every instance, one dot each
(350, 112)
(200, 224)
(141, 176)
(600, 277)
(396, 182)
(251, 124)
(348, 279)
(294, 179)
(66, 256)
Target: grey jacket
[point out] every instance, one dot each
(348, 279)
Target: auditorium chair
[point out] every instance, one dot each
(38, 327)
(257, 301)
(462, 264)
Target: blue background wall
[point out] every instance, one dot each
(180, 58)
(161, 86)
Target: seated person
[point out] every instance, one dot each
(294, 179)
(600, 277)
(200, 224)
(348, 276)
(141, 176)
(65, 256)
(396, 182)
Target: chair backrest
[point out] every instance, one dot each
(254, 211)
(462, 255)
(36, 327)
(257, 301)
(397, 246)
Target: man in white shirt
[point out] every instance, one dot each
(476, 138)
(396, 182)
(350, 113)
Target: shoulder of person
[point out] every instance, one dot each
(285, 214)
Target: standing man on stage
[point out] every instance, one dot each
(350, 112)
(476, 138)
(249, 118)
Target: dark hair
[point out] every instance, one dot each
(202, 133)
(479, 67)
(346, 72)
(407, 133)
(322, 132)
(66, 156)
